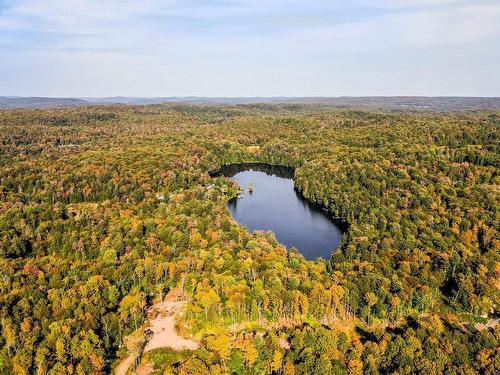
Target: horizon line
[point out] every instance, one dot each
(250, 97)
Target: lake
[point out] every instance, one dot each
(275, 205)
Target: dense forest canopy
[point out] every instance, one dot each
(103, 210)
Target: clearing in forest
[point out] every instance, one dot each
(162, 333)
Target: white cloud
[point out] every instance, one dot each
(153, 47)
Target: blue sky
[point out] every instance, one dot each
(249, 48)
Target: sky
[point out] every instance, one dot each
(81, 48)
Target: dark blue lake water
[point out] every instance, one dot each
(275, 205)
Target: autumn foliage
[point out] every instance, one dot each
(104, 209)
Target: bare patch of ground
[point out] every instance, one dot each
(144, 369)
(160, 327)
(124, 365)
(490, 324)
(163, 330)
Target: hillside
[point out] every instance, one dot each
(105, 210)
(373, 102)
(39, 102)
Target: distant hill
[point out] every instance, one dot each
(388, 102)
(383, 102)
(39, 102)
(407, 102)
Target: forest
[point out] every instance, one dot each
(105, 210)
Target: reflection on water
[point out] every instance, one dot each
(275, 205)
